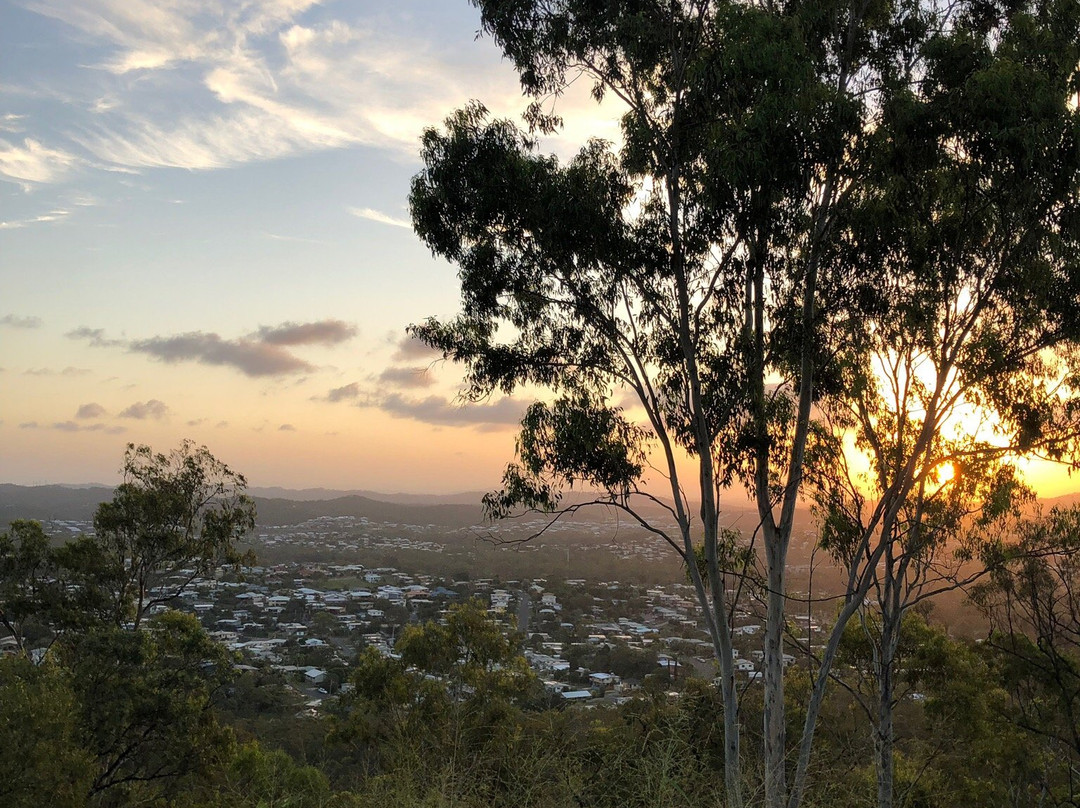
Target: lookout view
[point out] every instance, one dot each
(541, 403)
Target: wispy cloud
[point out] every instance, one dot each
(56, 215)
(505, 413)
(261, 80)
(68, 372)
(379, 216)
(295, 239)
(15, 321)
(10, 122)
(409, 348)
(263, 353)
(72, 426)
(31, 162)
(286, 428)
(95, 336)
(249, 357)
(141, 410)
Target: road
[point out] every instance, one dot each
(524, 608)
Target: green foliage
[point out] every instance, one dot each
(181, 511)
(825, 218)
(136, 718)
(42, 754)
(256, 777)
(27, 577)
(471, 650)
(145, 704)
(1033, 603)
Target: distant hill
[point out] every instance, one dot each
(62, 502)
(47, 502)
(318, 494)
(1066, 501)
(50, 501)
(278, 511)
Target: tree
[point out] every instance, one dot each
(39, 737)
(173, 518)
(27, 577)
(719, 268)
(144, 705)
(1034, 608)
(471, 650)
(54, 590)
(261, 778)
(968, 223)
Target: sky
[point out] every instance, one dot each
(204, 234)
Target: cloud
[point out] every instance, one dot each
(286, 428)
(95, 336)
(349, 391)
(221, 425)
(260, 354)
(10, 122)
(409, 347)
(262, 80)
(28, 425)
(196, 421)
(323, 332)
(71, 426)
(91, 410)
(501, 414)
(68, 371)
(249, 357)
(15, 321)
(406, 377)
(56, 215)
(141, 410)
(32, 163)
(380, 217)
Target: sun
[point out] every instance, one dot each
(945, 473)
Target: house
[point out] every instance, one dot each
(314, 676)
(577, 695)
(604, 680)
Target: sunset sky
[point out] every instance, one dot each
(203, 234)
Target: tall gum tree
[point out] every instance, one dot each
(708, 268)
(967, 229)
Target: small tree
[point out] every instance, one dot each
(1033, 604)
(173, 518)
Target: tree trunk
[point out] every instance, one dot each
(774, 729)
(883, 736)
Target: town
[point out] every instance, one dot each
(299, 617)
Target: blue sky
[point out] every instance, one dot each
(203, 233)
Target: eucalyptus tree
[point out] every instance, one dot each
(968, 230)
(717, 270)
(173, 518)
